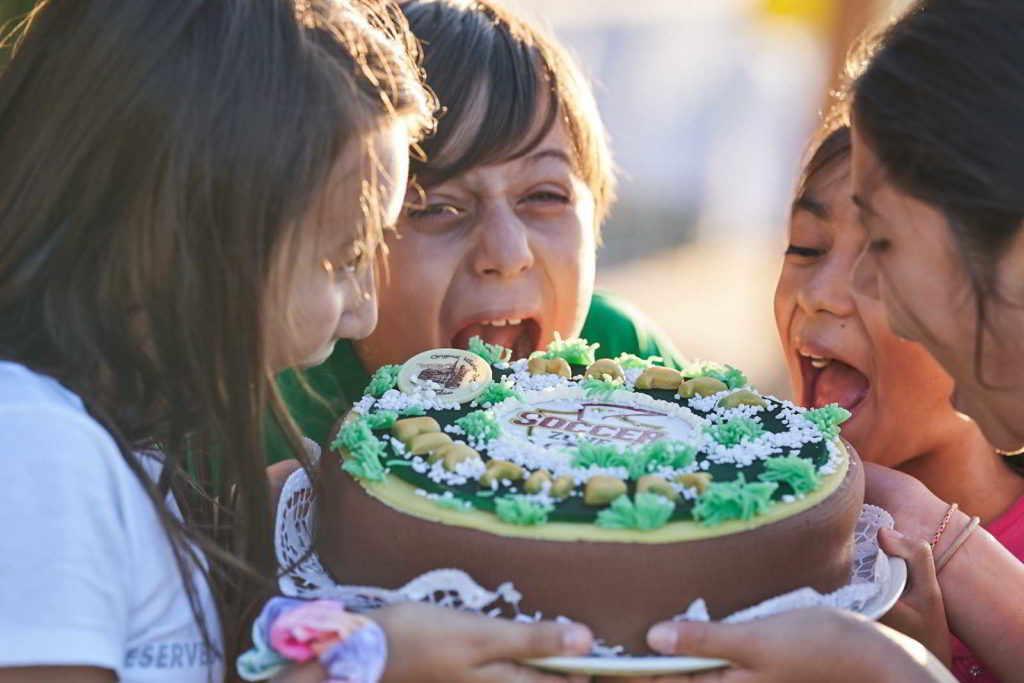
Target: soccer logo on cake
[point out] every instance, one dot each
(558, 423)
(452, 374)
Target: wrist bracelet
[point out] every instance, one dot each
(942, 526)
(350, 647)
(960, 540)
(360, 658)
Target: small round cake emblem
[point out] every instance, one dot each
(453, 374)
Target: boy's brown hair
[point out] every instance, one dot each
(502, 85)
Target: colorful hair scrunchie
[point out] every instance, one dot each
(350, 647)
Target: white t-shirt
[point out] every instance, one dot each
(87, 574)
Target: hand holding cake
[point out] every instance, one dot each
(834, 646)
(469, 648)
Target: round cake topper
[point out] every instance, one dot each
(456, 375)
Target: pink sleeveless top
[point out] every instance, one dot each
(1008, 530)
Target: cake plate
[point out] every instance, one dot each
(874, 608)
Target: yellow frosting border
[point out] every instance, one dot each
(402, 497)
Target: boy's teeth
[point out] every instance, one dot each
(819, 362)
(501, 322)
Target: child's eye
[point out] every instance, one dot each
(429, 211)
(547, 196)
(807, 252)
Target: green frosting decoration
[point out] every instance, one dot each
(522, 511)
(369, 469)
(456, 504)
(364, 450)
(381, 420)
(412, 410)
(480, 425)
(798, 472)
(575, 351)
(723, 501)
(492, 353)
(828, 418)
(628, 360)
(496, 392)
(353, 434)
(734, 431)
(600, 388)
(386, 377)
(730, 376)
(646, 511)
(674, 454)
(590, 454)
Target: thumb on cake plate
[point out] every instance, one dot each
(429, 643)
(920, 612)
(806, 645)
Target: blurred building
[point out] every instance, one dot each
(709, 104)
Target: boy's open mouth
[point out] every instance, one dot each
(522, 335)
(829, 380)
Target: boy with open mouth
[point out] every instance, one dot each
(502, 220)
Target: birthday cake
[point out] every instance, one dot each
(611, 492)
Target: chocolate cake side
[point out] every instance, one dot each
(617, 588)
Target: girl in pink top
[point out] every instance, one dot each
(839, 349)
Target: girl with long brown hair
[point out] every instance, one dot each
(191, 198)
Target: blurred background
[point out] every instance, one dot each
(709, 104)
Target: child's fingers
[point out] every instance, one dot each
(920, 612)
(510, 640)
(277, 475)
(731, 642)
(915, 551)
(903, 618)
(923, 591)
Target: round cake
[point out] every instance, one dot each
(610, 492)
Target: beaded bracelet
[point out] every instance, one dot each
(350, 647)
(960, 540)
(942, 526)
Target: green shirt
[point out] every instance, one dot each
(339, 381)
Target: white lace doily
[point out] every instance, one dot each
(454, 588)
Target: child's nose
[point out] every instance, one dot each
(363, 307)
(503, 246)
(829, 290)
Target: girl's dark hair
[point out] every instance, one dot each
(830, 148)
(939, 100)
(156, 156)
(502, 85)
